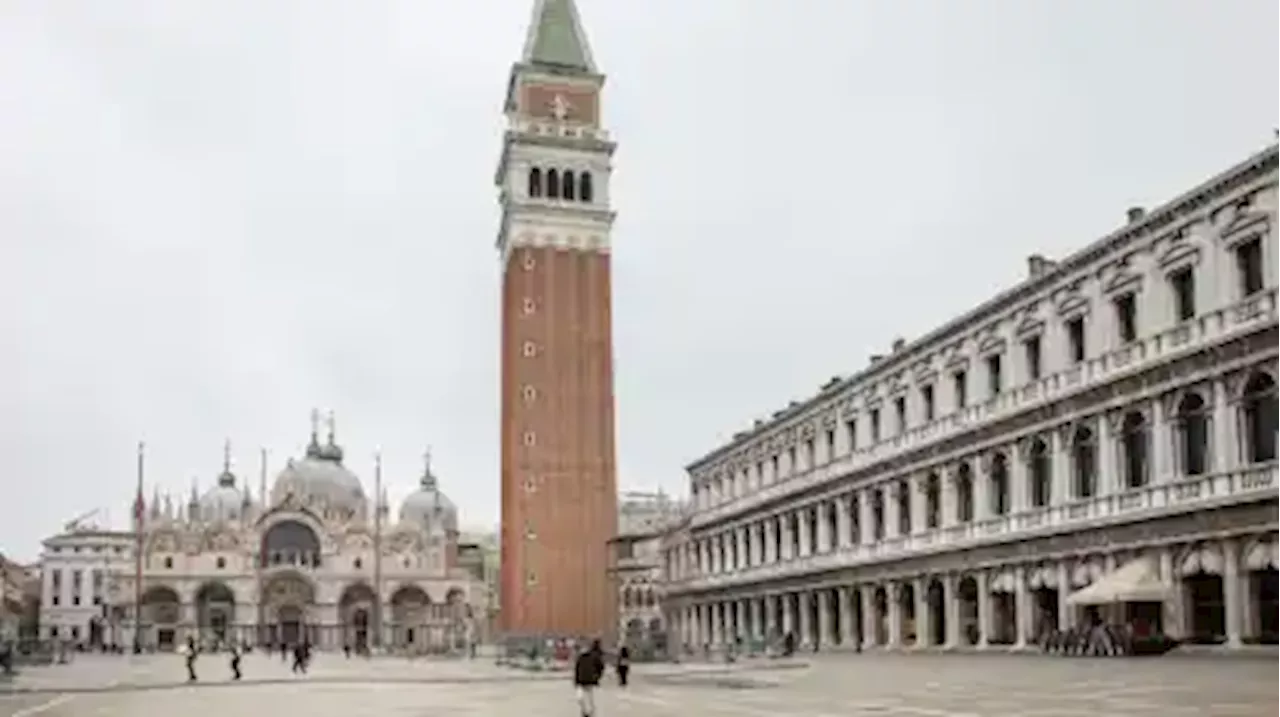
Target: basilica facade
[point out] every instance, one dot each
(1115, 409)
(317, 559)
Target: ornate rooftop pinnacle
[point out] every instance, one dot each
(428, 481)
(226, 479)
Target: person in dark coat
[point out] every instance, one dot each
(235, 661)
(587, 671)
(623, 665)
(191, 651)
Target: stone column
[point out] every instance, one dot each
(924, 622)
(847, 633)
(757, 618)
(893, 594)
(806, 537)
(864, 520)
(1065, 612)
(1224, 450)
(825, 637)
(889, 495)
(984, 608)
(843, 522)
(1022, 603)
(982, 488)
(1162, 450)
(869, 631)
(1060, 459)
(784, 526)
(770, 528)
(770, 616)
(805, 607)
(951, 604)
(825, 542)
(919, 507)
(1108, 463)
(1173, 610)
(788, 614)
(1019, 496)
(1231, 593)
(947, 477)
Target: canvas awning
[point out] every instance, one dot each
(1135, 581)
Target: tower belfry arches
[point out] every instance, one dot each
(554, 242)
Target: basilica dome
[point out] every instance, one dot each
(320, 477)
(224, 501)
(427, 507)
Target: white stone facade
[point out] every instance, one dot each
(1119, 404)
(316, 562)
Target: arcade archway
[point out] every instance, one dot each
(356, 608)
(215, 612)
(287, 602)
(161, 611)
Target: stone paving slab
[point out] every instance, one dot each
(884, 685)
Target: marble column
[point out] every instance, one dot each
(893, 591)
(805, 606)
(825, 638)
(951, 606)
(843, 522)
(1019, 495)
(806, 537)
(869, 618)
(924, 622)
(784, 525)
(947, 478)
(788, 614)
(1065, 613)
(919, 503)
(1231, 593)
(889, 494)
(982, 488)
(825, 539)
(1108, 458)
(742, 628)
(1060, 460)
(1224, 449)
(1173, 609)
(864, 520)
(847, 633)
(1162, 444)
(1022, 607)
(770, 529)
(984, 607)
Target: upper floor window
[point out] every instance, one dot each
(1126, 318)
(1183, 285)
(994, 381)
(960, 380)
(1075, 339)
(773, 465)
(535, 182)
(567, 186)
(1031, 352)
(831, 443)
(1249, 266)
(926, 401)
(810, 453)
(585, 192)
(1260, 422)
(900, 410)
(792, 465)
(553, 184)
(875, 425)
(851, 432)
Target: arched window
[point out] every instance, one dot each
(535, 182)
(584, 186)
(999, 483)
(855, 520)
(566, 185)
(1133, 432)
(794, 521)
(553, 184)
(1084, 464)
(1193, 435)
(1040, 474)
(964, 493)
(1260, 418)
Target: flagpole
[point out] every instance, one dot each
(139, 512)
(377, 549)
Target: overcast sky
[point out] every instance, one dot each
(217, 215)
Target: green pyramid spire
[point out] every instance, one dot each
(556, 38)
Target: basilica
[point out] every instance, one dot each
(316, 559)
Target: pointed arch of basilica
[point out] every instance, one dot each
(356, 608)
(215, 611)
(288, 609)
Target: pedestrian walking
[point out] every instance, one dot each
(587, 671)
(235, 662)
(190, 652)
(298, 666)
(623, 665)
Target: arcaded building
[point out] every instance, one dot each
(1114, 409)
(558, 473)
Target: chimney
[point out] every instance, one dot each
(876, 358)
(1038, 266)
(898, 344)
(1135, 214)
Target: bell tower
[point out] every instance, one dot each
(559, 490)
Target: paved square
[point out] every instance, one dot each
(831, 686)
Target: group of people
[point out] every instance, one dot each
(589, 669)
(301, 657)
